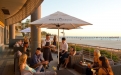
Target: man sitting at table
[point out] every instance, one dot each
(38, 60)
(63, 52)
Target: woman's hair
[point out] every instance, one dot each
(22, 59)
(104, 61)
(97, 53)
(25, 39)
(24, 50)
(63, 38)
(54, 37)
(73, 48)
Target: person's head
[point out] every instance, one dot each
(54, 37)
(97, 53)
(38, 51)
(47, 37)
(89, 65)
(72, 48)
(22, 59)
(63, 39)
(103, 61)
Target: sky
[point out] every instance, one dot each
(105, 15)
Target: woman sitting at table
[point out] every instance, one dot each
(24, 66)
(105, 68)
(71, 53)
(96, 59)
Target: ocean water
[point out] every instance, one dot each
(109, 42)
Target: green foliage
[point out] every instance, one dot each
(108, 55)
(103, 52)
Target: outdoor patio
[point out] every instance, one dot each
(7, 68)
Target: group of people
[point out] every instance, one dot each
(36, 64)
(101, 65)
(19, 44)
(39, 60)
(64, 53)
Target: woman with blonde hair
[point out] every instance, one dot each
(105, 68)
(96, 59)
(96, 55)
(24, 66)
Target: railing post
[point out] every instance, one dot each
(75, 47)
(89, 54)
(111, 54)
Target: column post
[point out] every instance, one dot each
(35, 32)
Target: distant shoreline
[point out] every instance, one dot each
(102, 43)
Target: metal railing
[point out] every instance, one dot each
(88, 54)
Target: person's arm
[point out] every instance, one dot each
(50, 42)
(36, 64)
(41, 58)
(100, 72)
(22, 67)
(66, 48)
(60, 47)
(44, 43)
(74, 53)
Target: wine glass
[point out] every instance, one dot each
(54, 68)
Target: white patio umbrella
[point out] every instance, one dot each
(26, 30)
(59, 19)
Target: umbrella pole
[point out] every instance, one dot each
(58, 48)
(63, 33)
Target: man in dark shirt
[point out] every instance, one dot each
(37, 60)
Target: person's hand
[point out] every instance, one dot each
(39, 64)
(60, 50)
(47, 46)
(45, 62)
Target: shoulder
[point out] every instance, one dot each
(66, 43)
(34, 56)
(101, 70)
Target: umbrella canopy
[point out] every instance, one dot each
(59, 19)
(68, 28)
(26, 30)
